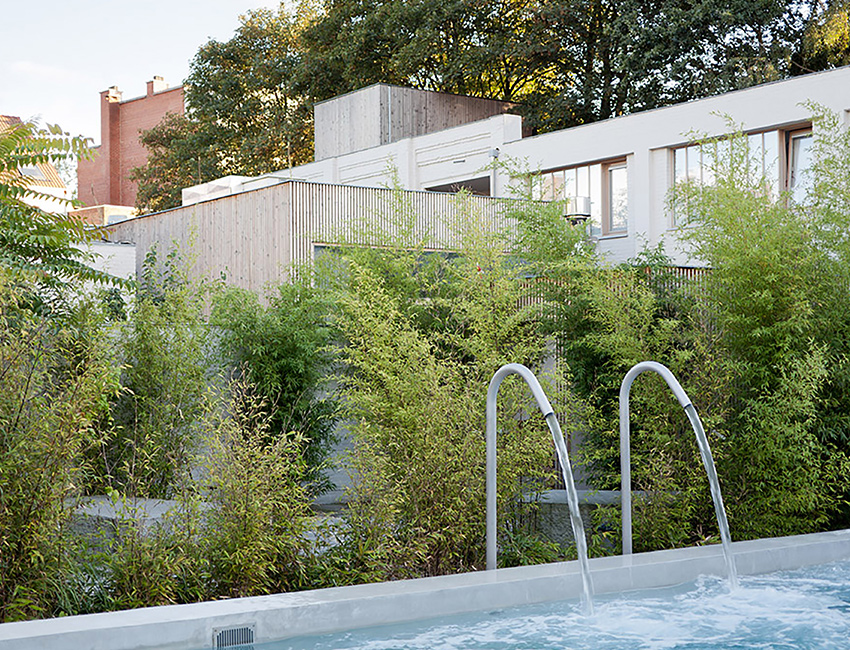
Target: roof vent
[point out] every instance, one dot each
(234, 637)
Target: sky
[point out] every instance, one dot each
(56, 56)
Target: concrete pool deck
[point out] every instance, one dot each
(281, 616)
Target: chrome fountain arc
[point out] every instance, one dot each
(566, 470)
(705, 454)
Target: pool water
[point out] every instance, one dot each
(803, 609)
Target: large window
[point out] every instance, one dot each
(785, 172)
(696, 162)
(605, 186)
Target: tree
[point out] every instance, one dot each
(175, 160)
(244, 116)
(422, 333)
(462, 47)
(826, 41)
(567, 62)
(564, 62)
(283, 348)
(42, 248)
(610, 57)
(241, 94)
(777, 294)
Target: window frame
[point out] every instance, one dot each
(776, 171)
(607, 210)
(789, 136)
(591, 178)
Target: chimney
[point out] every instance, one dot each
(112, 94)
(110, 140)
(156, 85)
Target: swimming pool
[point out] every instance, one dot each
(806, 608)
(344, 609)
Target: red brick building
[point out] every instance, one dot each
(105, 178)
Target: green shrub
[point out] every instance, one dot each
(778, 297)
(145, 565)
(240, 526)
(55, 380)
(253, 535)
(422, 334)
(163, 347)
(283, 346)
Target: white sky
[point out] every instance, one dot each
(57, 55)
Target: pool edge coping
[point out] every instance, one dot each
(287, 615)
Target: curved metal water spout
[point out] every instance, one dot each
(566, 470)
(705, 453)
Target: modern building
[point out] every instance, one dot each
(253, 238)
(105, 179)
(42, 178)
(619, 171)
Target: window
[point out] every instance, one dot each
(479, 186)
(605, 185)
(764, 157)
(695, 162)
(799, 156)
(31, 171)
(617, 209)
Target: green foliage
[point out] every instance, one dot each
(422, 336)
(606, 321)
(784, 480)
(241, 95)
(143, 565)
(244, 114)
(609, 57)
(826, 40)
(177, 158)
(55, 378)
(778, 294)
(562, 63)
(459, 47)
(521, 549)
(755, 342)
(544, 242)
(767, 272)
(759, 343)
(240, 527)
(163, 348)
(259, 510)
(566, 63)
(43, 249)
(283, 346)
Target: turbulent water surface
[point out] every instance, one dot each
(799, 610)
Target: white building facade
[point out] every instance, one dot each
(621, 170)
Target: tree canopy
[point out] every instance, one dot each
(568, 62)
(563, 62)
(826, 39)
(176, 159)
(244, 114)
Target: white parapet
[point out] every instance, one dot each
(215, 189)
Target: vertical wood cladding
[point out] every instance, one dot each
(254, 238)
(382, 114)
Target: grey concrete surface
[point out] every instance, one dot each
(283, 616)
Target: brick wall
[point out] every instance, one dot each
(105, 178)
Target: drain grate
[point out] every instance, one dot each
(234, 637)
